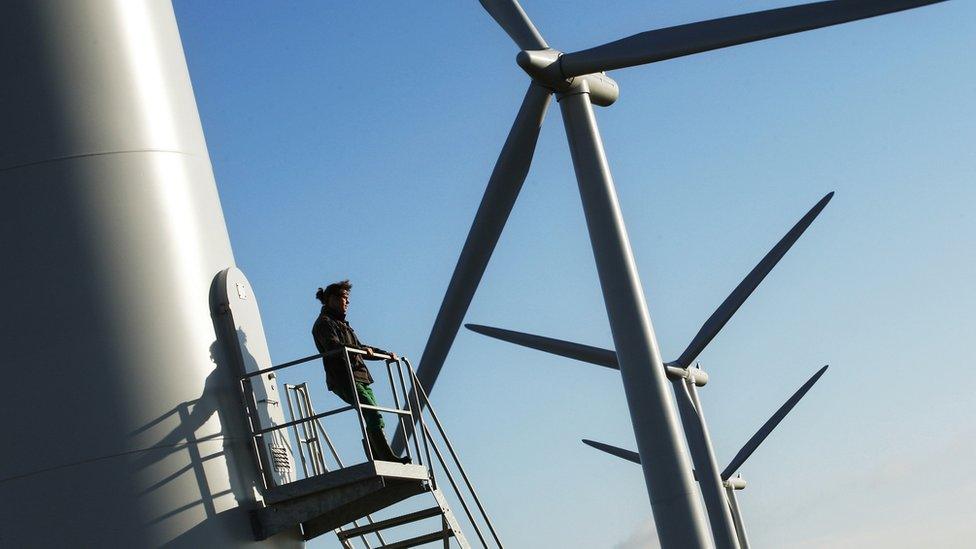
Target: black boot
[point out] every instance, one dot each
(381, 448)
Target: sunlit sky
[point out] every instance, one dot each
(354, 140)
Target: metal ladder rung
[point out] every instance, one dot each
(420, 540)
(391, 522)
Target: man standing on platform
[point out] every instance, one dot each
(331, 331)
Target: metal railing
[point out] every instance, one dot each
(410, 413)
(309, 436)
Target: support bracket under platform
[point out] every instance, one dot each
(324, 502)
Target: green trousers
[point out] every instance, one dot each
(373, 418)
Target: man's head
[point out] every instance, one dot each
(335, 296)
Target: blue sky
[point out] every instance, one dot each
(355, 140)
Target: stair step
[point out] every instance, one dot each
(420, 540)
(390, 523)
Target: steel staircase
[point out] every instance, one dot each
(449, 527)
(342, 498)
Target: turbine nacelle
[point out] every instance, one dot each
(543, 67)
(693, 375)
(737, 483)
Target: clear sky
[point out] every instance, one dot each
(354, 140)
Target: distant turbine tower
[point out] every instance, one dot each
(730, 484)
(119, 428)
(579, 82)
(684, 382)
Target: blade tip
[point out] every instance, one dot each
(822, 203)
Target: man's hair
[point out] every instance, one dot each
(335, 288)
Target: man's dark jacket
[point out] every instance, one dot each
(331, 331)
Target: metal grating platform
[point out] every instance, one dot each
(324, 502)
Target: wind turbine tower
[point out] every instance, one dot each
(120, 429)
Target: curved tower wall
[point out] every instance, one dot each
(120, 428)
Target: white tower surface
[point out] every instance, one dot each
(122, 423)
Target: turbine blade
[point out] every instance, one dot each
(661, 44)
(568, 349)
(512, 19)
(629, 455)
(499, 198)
(496, 205)
(768, 427)
(721, 316)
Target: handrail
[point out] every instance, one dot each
(384, 409)
(412, 414)
(450, 447)
(298, 421)
(354, 350)
(346, 351)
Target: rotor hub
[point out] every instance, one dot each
(544, 67)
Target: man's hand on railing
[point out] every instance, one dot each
(373, 353)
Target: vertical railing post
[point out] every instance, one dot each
(415, 413)
(298, 438)
(358, 406)
(309, 412)
(396, 401)
(311, 438)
